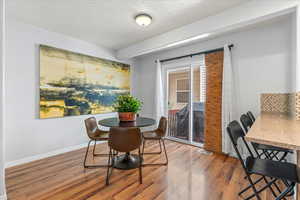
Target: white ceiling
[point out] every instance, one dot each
(110, 23)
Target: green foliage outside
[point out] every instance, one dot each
(127, 103)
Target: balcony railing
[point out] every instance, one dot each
(173, 126)
(180, 130)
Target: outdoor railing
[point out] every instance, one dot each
(172, 130)
(181, 132)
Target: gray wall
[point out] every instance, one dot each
(261, 60)
(34, 136)
(2, 65)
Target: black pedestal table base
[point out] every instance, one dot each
(127, 161)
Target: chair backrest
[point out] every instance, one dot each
(91, 126)
(162, 126)
(246, 122)
(250, 114)
(235, 133)
(124, 139)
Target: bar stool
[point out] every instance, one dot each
(275, 170)
(250, 114)
(270, 152)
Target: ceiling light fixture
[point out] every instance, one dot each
(143, 19)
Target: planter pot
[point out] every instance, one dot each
(127, 116)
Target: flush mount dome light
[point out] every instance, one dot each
(143, 19)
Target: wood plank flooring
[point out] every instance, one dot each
(190, 175)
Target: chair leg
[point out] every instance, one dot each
(160, 149)
(270, 187)
(98, 154)
(286, 191)
(166, 156)
(254, 189)
(140, 167)
(108, 166)
(260, 190)
(94, 148)
(266, 154)
(283, 156)
(165, 150)
(144, 142)
(86, 154)
(249, 186)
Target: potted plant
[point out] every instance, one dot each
(127, 106)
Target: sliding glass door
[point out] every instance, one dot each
(178, 103)
(185, 98)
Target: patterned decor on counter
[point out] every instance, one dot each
(277, 102)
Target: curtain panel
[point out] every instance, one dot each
(159, 96)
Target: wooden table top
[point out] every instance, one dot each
(277, 130)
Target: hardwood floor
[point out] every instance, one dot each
(190, 175)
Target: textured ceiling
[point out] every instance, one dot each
(110, 23)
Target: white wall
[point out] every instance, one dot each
(2, 67)
(27, 135)
(261, 60)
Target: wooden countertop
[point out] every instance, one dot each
(277, 130)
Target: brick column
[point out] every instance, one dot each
(213, 104)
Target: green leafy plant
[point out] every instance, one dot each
(127, 103)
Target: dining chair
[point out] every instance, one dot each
(157, 135)
(270, 152)
(262, 168)
(94, 134)
(123, 140)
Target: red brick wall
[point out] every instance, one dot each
(213, 104)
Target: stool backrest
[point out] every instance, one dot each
(250, 114)
(125, 139)
(235, 133)
(246, 122)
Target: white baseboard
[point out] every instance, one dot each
(44, 155)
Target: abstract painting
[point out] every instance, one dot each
(74, 84)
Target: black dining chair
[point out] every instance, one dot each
(268, 151)
(263, 168)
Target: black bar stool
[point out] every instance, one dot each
(270, 152)
(274, 170)
(250, 114)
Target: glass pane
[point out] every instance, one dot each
(183, 97)
(178, 103)
(199, 92)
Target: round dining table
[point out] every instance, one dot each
(128, 160)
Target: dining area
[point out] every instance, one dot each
(125, 136)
